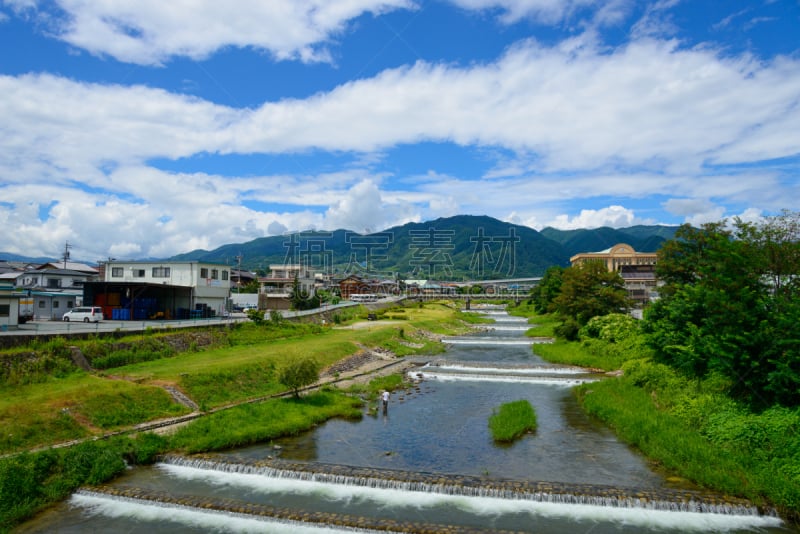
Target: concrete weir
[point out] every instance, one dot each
(284, 515)
(663, 499)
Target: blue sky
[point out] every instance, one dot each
(144, 128)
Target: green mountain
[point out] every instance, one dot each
(464, 247)
(641, 238)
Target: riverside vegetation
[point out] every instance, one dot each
(511, 420)
(689, 427)
(232, 374)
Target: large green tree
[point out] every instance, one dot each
(730, 306)
(547, 289)
(589, 289)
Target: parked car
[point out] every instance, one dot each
(87, 314)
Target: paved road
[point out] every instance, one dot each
(33, 328)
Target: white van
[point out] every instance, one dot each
(87, 314)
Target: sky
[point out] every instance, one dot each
(135, 129)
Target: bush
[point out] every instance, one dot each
(569, 330)
(613, 328)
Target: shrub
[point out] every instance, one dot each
(569, 330)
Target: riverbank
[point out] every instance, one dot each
(688, 427)
(85, 427)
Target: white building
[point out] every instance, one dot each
(161, 290)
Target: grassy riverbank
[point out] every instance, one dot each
(46, 400)
(687, 426)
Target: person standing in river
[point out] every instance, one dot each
(385, 401)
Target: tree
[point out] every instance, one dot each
(589, 289)
(730, 306)
(547, 289)
(299, 373)
(300, 299)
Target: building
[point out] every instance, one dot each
(138, 290)
(636, 268)
(275, 289)
(9, 306)
(50, 291)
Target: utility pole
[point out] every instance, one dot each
(239, 273)
(67, 246)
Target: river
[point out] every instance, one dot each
(428, 464)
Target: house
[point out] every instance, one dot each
(52, 290)
(9, 306)
(353, 285)
(638, 269)
(138, 290)
(71, 266)
(275, 290)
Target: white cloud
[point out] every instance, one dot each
(612, 216)
(544, 11)
(151, 32)
(662, 107)
(363, 208)
(276, 228)
(695, 211)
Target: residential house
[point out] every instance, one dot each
(9, 306)
(275, 289)
(53, 290)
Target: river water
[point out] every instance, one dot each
(428, 463)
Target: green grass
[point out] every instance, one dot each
(253, 423)
(665, 437)
(511, 420)
(74, 407)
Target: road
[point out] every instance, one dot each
(34, 328)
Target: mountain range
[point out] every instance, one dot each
(452, 248)
(463, 247)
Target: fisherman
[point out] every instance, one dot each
(385, 400)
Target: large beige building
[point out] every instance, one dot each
(636, 268)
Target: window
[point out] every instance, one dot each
(117, 272)
(5, 310)
(53, 283)
(42, 304)
(214, 274)
(160, 272)
(55, 304)
(138, 273)
(224, 275)
(203, 273)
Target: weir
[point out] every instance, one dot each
(224, 513)
(494, 341)
(364, 499)
(663, 499)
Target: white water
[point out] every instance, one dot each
(203, 520)
(486, 341)
(508, 328)
(476, 377)
(388, 497)
(538, 370)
